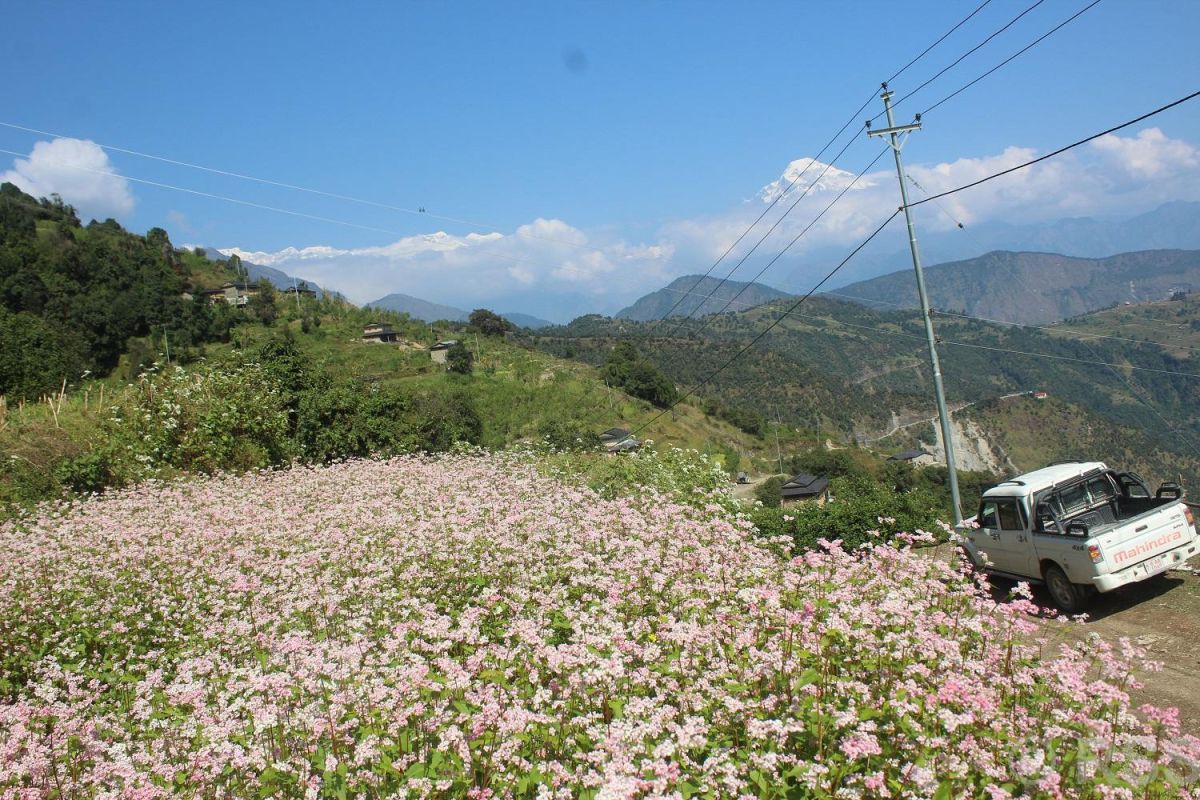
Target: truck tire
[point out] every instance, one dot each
(1067, 596)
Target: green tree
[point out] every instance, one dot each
(770, 492)
(637, 377)
(489, 323)
(264, 304)
(459, 359)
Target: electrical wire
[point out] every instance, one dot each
(1027, 47)
(294, 187)
(1030, 163)
(1048, 328)
(778, 197)
(925, 52)
(959, 60)
(794, 240)
(212, 196)
(250, 204)
(774, 202)
(1167, 424)
(691, 391)
(1057, 152)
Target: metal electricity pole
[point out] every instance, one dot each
(892, 131)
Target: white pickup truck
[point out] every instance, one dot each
(1081, 528)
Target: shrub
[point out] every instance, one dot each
(770, 491)
(559, 435)
(860, 512)
(204, 420)
(459, 359)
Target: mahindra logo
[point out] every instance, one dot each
(1147, 547)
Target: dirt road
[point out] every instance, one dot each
(1161, 615)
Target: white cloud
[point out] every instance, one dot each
(546, 258)
(1116, 175)
(78, 171)
(1148, 155)
(551, 268)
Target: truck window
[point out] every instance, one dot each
(1010, 515)
(1101, 489)
(987, 515)
(1074, 499)
(1001, 514)
(1045, 519)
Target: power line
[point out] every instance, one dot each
(1119, 375)
(282, 185)
(1057, 152)
(1153, 323)
(959, 60)
(975, 346)
(250, 204)
(797, 238)
(775, 201)
(770, 327)
(924, 52)
(1029, 46)
(212, 196)
(987, 320)
(799, 302)
(778, 197)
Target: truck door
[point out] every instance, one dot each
(1003, 536)
(1056, 541)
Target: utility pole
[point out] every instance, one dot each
(778, 450)
(892, 131)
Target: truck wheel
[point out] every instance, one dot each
(1066, 595)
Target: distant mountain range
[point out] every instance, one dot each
(697, 295)
(1174, 226)
(1035, 288)
(278, 278)
(525, 320)
(426, 311)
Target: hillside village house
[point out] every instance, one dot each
(805, 489)
(294, 292)
(235, 294)
(378, 333)
(438, 351)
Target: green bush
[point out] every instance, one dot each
(686, 475)
(860, 511)
(207, 420)
(459, 359)
(90, 472)
(563, 436)
(770, 491)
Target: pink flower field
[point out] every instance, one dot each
(465, 627)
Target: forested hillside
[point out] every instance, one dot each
(73, 296)
(697, 295)
(856, 372)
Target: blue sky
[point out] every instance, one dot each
(596, 149)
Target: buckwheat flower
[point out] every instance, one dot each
(860, 745)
